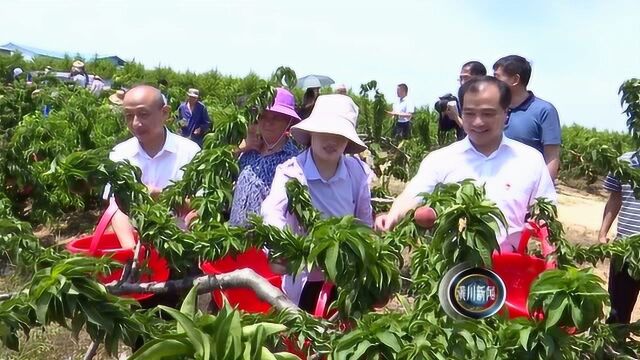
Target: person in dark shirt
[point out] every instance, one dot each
(469, 70)
(194, 117)
(308, 102)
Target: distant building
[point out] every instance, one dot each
(29, 53)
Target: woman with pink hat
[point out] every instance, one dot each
(267, 145)
(338, 184)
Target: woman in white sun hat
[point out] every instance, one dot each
(338, 184)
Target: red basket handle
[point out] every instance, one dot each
(323, 299)
(542, 233)
(104, 222)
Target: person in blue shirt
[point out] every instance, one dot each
(531, 120)
(193, 117)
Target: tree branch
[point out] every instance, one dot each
(243, 278)
(7, 296)
(91, 351)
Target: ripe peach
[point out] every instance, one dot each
(425, 217)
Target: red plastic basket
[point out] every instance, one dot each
(518, 270)
(243, 299)
(107, 244)
(321, 311)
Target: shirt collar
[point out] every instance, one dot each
(526, 103)
(466, 145)
(311, 170)
(170, 145)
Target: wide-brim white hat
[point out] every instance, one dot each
(332, 114)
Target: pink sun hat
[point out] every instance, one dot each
(285, 103)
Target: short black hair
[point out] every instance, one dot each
(404, 87)
(515, 65)
(475, 68)
(474, 85)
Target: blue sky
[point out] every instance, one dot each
(581, 50)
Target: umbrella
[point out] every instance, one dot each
(314, 81)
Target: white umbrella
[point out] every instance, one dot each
(314, 81)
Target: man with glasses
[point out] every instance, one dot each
(470, 70)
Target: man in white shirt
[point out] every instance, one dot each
(514, 174)
(159, 153)
(403, 110)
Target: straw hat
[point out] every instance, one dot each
(332, 114)
(78, 64)
(193, 93)
(117, 98)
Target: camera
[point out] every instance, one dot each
(444, 122)
(441, 105)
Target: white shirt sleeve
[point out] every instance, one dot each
(274, 206)
(545, 188)
(426, 179)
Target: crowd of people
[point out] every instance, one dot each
(507, 139)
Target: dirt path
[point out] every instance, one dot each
(581, 214)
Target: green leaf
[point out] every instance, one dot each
(77, 323)
(331, 260)
(187, 327)
(189, 305)
(267, 355)
(576, 315)
(269, 329)
(389, 340)
(361, 349)
(162, 349)
(524, 337)
(285, 356)
(42, 307)
(555, 311)
(467, 337)
(95, 317)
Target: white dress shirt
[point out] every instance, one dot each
(404, 105)
(164, 168)
(514, 175)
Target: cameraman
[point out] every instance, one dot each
(450, 118)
